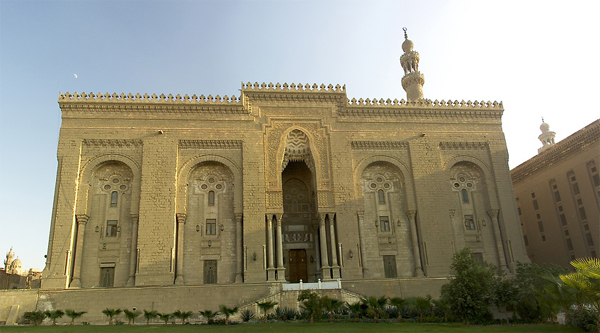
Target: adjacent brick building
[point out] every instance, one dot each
(558, 197)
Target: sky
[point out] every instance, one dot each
(540, 58)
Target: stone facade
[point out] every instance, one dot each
(558, 197)
(284, 183)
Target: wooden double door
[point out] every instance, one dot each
(298, 266)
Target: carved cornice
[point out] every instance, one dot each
(112, 143)
(293, 93)
(210, 144)
(463, 145)
(379, 145)
(137, 98)
(577, 142)
(293, 87)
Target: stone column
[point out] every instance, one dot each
(411, 214)
(82, 220)
(334, 260)
(133, 250)
(179, 266)
(238, 249)
(280, 267)
(493, 213)
(361, 235)
(270, 265)
(325, 269)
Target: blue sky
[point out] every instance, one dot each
(539, 57)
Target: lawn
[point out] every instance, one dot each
(297, 327)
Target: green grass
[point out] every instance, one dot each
(297, 327)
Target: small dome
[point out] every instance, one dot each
(545, 128)
(407, 45)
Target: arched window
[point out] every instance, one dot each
(465, 196)
(381, 196)
(211, 198)
(114, 196)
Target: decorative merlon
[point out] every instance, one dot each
(130, 98)
(427, 103)
(293, 87)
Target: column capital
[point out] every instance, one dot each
(181, 217)
(238, 217)
(135, 218)
(82, 218)
(411, 214)
(493, 213)
(361, 215)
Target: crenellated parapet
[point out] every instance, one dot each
(293, 87)
(145, 98)
(427, 103)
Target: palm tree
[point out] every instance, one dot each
(56, 314)
(330, 305)
(131, 315)
(149, 315)
(165, 317)
(227, 312)
(74, 314)
(586, 280)
(375, 306)
(111, 313)
(355, 308)
(311, 303)
(398, 302)
(209, 315)
(265, 307)
(183, 315)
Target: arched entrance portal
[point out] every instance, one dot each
(300, 241)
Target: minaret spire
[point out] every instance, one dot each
(413, 80)
(547, 136)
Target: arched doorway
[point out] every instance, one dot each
(299, 224)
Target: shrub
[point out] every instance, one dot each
(247, 315)
(34, 317)
(584, 318)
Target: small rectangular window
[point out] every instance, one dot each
(557, 196)
(543, 238)
(538, 216)
(596, 179)
(211, 227)
(535, 205)
(579, 202)
(381, 197)
(582, 213)
(525, 240)
(560, 208)
(532, 194)
(519, 209)
(566, 232)
(589, 239)
(384, 223)
(114, 197)
(563, 219)
(586, 227)
(111, 228)
(575, 188)
(569, 244)
(541, 226)
(211, 198)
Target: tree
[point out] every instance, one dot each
(55, 314)
(311, 303)
(375, 307)
(35, 317)
(423, 305)
(265, 307)
(228, 312)
(149, 315)
(586, 280)
(165, 317)
(183, 315)
(131, 315)
(74, 314)
(355, 308)
(398, 302)
(110, 313)
(209, 315)
(469, 291)
(330, 305)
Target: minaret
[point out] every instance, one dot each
(547, 137)
(413, 80)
